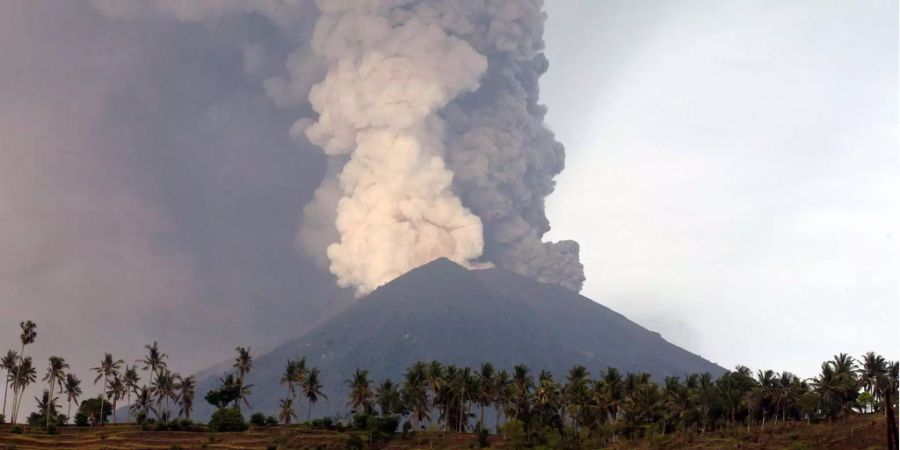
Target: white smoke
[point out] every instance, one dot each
(377, 103)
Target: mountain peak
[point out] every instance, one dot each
(445, 312)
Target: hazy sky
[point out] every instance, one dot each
(732, 171)
(732, 176)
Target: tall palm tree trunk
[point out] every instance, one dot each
(69, 409)
(5, 391)
(15, 410)
(19, 400)
(309, 412)
(892, 437)
(49, 402)
(101, 400)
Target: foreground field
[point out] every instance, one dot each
(861, 432)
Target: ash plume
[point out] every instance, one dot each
(502, 157)
(428, 113)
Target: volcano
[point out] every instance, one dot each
(442, 311)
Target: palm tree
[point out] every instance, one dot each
(289, 375)
(185, 396)
(116, 392)
(487, 384)
(8, 363)
(387, 396)
(73, 391)
(286, 411)
(435, 376)
(243, 362)
(522, 384)
(313, 390)
(360, 391)
(828, 385)
(613, 392)
(873, 366)
(164, 389)
(131, 379)
(547, 399)
(298, 373)
(415, 393)
(28, 335)
(56, 375)
(155, 360)
(47, 403)
(143, 402)
(106, 370)
(845, 372)
(576, 392)
(25, 375)
(502, 391)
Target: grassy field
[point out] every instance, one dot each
(861, 432)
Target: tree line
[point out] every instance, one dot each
(576, 407)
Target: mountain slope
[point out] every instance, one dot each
(444, 312)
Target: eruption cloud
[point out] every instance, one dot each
(411, 85)
(428, 112)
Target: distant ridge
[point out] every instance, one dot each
(442, 311)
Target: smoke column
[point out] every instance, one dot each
(428, 112)
(419, 57)
(377, 104)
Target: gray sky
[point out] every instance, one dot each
(731, 176)
(732, 171)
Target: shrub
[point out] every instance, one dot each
(81, 420)
(2, 419)
(355, 442)
(271, 421)
(514, 433)
(16, 430)
(387, 424)
(140, 418)
(325, 423)
(51, 429)
(227, 419)
(361, 421)
(483, 438)
(92, 407)
(258, 419)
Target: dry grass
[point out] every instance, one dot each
(861, 432)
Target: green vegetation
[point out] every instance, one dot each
(227, 419)
(526, 410)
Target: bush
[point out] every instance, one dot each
(16, 430)
(387, 424)
(140, 418)
(361, 421)
(227, 419)
(92, 407)
(271, 421)
(51, 429)
(325, 423)
(483, 438)
(81, 420)
(2, 419)
(355, 442)
(258, 419)
(514, 434)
